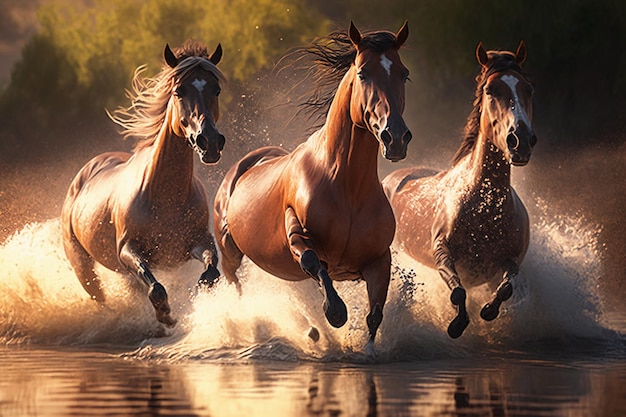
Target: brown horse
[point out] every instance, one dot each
(320, 211)
(133, 211)
(468, 221)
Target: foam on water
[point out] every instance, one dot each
(556, 296)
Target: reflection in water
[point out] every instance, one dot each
(64, 383)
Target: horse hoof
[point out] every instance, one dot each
(314, 334)
(336, 311)
(158, 297)
(209, 277)
(458, 326)
(166, 319)
(489, 312)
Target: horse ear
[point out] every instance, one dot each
(481, 55)
(354, 34)
(402, 34)
(217, 54)
(520, 54)
(169, 56)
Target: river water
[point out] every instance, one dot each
(556, 350)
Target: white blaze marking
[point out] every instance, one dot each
(518, 112)
(386, 63)
(199, 84)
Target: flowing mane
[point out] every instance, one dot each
(498, 61)
(145, 116)
(325, 61)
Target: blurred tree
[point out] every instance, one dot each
(85, 53)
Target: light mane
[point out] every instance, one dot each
(149, 98)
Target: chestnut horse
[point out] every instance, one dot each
(468, 221)
(135, 211)
(320, 211)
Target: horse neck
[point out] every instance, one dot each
(169, 174)
(351, 152)
(488, 166)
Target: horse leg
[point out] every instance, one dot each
(83, 265)
(130, 257)
(334, 308)
(377, 275)
(231, 256)
(447, 271)
(207, 254)
(504, 291)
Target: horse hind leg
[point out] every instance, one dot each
(231, 257)
(504, 291)
(83, 265)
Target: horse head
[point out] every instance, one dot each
(378, 90)
(194, 102)
(507, 105)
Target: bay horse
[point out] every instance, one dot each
(133, 211)
(468, 222)
(320, 211)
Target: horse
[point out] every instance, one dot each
(468, 221)
(320, 211)
(133, 211)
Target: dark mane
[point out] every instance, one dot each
(324, 62)
(498, 61)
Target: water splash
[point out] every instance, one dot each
(556, 296)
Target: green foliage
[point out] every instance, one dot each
(93, 47)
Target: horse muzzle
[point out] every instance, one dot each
(520, 143)
(208, 146)
(395, 143)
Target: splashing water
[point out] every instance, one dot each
(556, 296)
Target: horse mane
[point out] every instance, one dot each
(498, 61)
(149, 97)
(325, 61)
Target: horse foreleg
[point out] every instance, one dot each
(207, 254)
(299, 244)
(131, 259)
(447, 271)
(504, 291)
(377, 275)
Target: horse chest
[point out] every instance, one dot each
(484, 231)
(348, 233)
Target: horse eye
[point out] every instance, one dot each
(217, 93)
(362, 76)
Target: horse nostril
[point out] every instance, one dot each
(407, 136)
(385, 136)
(512, 141)
(202, 142)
